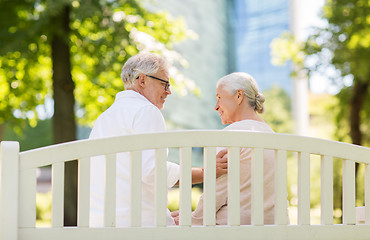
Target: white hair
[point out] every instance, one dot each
(142, 63)
(244, 81)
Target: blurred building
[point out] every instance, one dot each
(233, 35)
(210, 56)
(256, 24)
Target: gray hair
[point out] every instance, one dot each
(244, 81)
(142, 63)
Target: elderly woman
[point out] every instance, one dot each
(238, 103)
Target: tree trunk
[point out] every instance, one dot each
(64, 124)
(356, 103)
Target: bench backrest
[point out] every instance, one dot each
(18, 186)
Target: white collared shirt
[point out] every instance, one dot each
(130, 113)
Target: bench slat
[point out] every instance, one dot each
(349, 194)
(367, 193)
(83, 192)
(185, 186)
(110, 191)
(326, 190)
(233, 186)
(9, 170)
(209, 190)
(257, 211)
(281, 192)
(27, 198)
(57, 205)
(135, 189)
(303, 188)
(161, 186)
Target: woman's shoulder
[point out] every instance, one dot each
(250, 125)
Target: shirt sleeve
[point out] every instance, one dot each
(149, 120)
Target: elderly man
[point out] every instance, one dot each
(136, 110)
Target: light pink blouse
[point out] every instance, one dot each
(245, 182)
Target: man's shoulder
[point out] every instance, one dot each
(132, 99)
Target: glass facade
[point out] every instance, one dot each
(256, 24)
(232, 35)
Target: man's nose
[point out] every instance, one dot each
(168, 91)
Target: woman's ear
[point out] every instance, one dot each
(240, 95)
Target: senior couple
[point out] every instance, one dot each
(137, 110)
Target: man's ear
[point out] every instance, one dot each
(141, 80)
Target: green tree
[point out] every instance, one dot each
(346, 42)
(278, 110)
(343, 47)
(72, 51)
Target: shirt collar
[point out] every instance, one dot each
(130, 94)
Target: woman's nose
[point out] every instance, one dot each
(217, 107)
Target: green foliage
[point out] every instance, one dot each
(347, 36)
(44, 200)
(103, 35)
(43, 209)
(343, 45)
(323, 110)
(286, 48)
(174, 198)
(277, 112)
(24, 83)
(31, 137)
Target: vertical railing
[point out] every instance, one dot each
(209, 189)
(135, 189)
(9, 170)
(257, 211)
(161, 186)
(281, 192)
(27, 181)
(303, 188)
(326, 190)
(57, 189)
(349, 193)
(233, 186)
(110, 191)
(83, 197)
(185, 186)
(27, 199)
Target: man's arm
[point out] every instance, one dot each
(221, 168)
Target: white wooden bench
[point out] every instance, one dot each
(18, 187)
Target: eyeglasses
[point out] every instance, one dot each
(166, 87)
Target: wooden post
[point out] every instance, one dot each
(9, 170)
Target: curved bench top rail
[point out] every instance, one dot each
(192, 138)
